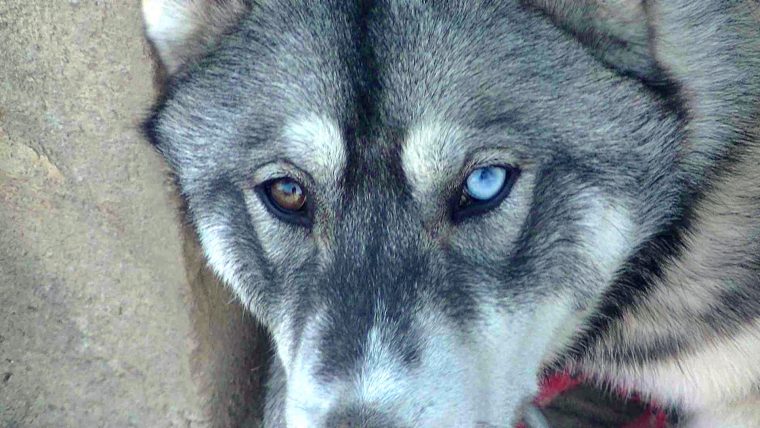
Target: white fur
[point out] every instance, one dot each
(308, 401)
(315, 143)
(432, 152)
(379, 381)
(610, 234)
(167, 20)
(182, 30)
(512, 350)
(713, 375)
(212, 236)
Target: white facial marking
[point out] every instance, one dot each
(610, 235)
(213, 239)
(316, 143)
(431, 154)
(511, 349)
(378, 382)
(308, 401)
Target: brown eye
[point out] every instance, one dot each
(286, 194)
(285, 199)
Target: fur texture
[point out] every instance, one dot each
(626, 249)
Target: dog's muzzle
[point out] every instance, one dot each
(360, 417)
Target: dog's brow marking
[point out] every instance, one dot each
(316, 143)
(430, 153)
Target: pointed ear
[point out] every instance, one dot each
(184, 30)
(615, 31)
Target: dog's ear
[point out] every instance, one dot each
(615, 31)
(184, 30)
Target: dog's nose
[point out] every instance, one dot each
(359, 417)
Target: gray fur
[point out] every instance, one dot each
(634, 125)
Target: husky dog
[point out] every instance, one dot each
(431, 203)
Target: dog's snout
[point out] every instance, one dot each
(360, 417)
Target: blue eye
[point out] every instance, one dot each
(485, 183)
(484, 189)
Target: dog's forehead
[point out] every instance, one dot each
(334, 84)
(406, 77)
(401, 62)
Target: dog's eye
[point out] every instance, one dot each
(484, 183)
(484, 189)
(286, 199)
(287, 194)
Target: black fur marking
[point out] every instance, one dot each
(394, 272)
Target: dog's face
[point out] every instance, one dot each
(421, 201)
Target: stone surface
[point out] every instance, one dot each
(102, 320)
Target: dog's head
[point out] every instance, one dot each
(422, 201)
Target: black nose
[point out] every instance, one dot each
(359, 417)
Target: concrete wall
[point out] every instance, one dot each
(106, 317)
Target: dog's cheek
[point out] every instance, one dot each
(259, 258)
(609, 235)
(516, 346)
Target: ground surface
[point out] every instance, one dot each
(107, 317)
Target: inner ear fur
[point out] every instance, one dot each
(182, 31)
